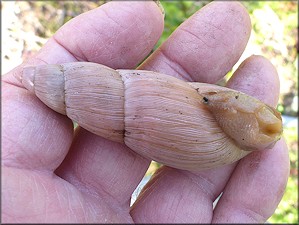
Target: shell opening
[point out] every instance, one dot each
(269, 122)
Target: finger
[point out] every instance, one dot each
(93, 163)
(35, 136)
(257, 184)
(104, 167)
(255, 188)
(206, 46)
(34, 197)
(253, 77)
(192, 194)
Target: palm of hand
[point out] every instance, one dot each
(51, 175)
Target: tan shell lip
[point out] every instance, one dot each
(273, 127)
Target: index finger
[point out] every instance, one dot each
(206, 46)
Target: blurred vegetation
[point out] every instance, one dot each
(274, 35)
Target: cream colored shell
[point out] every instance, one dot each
(192, 126)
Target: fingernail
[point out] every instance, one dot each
(160, 7)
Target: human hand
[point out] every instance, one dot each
(53, 175)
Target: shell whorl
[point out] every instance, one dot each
(185, 125)
(79, 91)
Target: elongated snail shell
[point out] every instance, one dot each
(186, 125)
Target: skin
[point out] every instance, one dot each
(50, 174)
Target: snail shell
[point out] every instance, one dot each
(186, 125)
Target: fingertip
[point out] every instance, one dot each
(158, 3)
(282, 147)
(256, 187)
(118, 34)
(256, 76)
(206, 46)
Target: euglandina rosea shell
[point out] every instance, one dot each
(186, 125)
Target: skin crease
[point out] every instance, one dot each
(95, 177)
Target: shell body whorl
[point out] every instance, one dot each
(185, 125)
